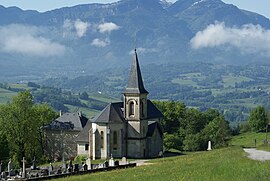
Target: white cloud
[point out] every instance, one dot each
(81, 27)
(250, 39)
(107, 27)
(68, 24)
(142, 50)
(78, 28)
(27, 40)
(100, 43)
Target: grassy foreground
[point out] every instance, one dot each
(222, 164)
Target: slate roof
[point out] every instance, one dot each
(135, 82)
(68, 121)
(83, 136)
(152, 111)
(112, 113)
(152, 125)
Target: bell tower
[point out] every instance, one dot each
(135, 95)
(135, 112)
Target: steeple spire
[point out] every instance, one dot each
(135, 82)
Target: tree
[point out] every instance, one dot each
(20, 123)
(218, 131)
(194, 142)
(173, 113)
(258, 118)
(172, 141)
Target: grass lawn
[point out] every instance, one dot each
(248, 140)
(222, 164)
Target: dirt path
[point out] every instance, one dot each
(258, 154)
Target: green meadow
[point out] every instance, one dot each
(222, 164)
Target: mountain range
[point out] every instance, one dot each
(88, 38)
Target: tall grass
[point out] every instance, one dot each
(222, 164)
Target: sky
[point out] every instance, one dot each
(259, 6)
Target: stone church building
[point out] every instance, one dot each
(125, 129)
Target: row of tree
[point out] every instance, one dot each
(190, 129)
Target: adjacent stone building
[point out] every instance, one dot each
(62, 133)
(130, 128)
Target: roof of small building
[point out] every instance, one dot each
(68, 121)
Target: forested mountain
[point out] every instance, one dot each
(83, 39)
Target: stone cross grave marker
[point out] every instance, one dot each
(64, 167)
(50, 169)
(23, 167)
(9, 167)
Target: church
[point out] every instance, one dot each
(131, 128)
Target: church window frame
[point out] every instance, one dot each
(101, 139)
(115, 140)
(131, 108)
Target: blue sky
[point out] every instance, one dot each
(259, 6)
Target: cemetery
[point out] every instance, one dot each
(58, 171)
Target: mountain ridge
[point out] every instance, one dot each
(93, 37)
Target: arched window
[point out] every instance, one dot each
(101, 139)
(115, 140)
(131, 108)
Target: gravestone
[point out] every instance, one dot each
(88, 162)
(34, 166)
(9, 167)
(111, 162)
(116, 163)
(64, 166)
(23, 167)
(124, 161)
(76, 167)
(85, 167)
(209, 146)
(50, 169)
(70, 166)
(106, 164)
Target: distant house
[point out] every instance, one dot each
(61, 134)
(130, 128)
